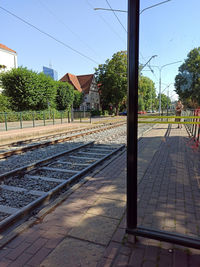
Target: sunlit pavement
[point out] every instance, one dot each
(88, 228)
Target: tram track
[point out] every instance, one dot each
(27, 189)
(24, 189)
(11, 149)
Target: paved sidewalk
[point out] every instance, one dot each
(88, 227)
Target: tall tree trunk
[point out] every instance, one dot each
(117, 110)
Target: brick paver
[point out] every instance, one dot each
(88, 228)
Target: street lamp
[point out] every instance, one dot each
(160, 70)
(110, 9)
(148, 62)
(124, 11)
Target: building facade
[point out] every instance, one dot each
(8, 58)
(87, 85)
(50, 72)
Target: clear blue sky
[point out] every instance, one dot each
(169, 31)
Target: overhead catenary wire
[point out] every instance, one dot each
(116, 16)
(65, 25)
(111, 28)
(49, 35)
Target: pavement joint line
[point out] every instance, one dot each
(104, 216)
(86, 240)
(43, 212)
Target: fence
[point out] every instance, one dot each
(19, 120)
(190, 118)
(193, 126)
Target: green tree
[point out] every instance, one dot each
(46, 91)
(147, 92)
(27, 89)
(187, 82)
(65, 95)
(112, 80)
(78, 99)
(4, 103)
(141, 105)
(165, 100)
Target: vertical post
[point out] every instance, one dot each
(68, 116)
(44, 117)
(132, 120)
(20, 116)
(53, 118)
(6, 125)
(80, 116)
(159, 91)
(151, 98)
(72, 115)
(167, 102)
(90, 117)
(61, 116)
(33, 119)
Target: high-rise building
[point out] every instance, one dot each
(50, 72)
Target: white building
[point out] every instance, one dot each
(8, 58)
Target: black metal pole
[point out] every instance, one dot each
(133, 66)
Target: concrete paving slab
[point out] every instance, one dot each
(108, 207)
(95, 228)
(74, 252)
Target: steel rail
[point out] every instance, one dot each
(53, 142)
(4, 224)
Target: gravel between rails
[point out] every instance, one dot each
(114, 136)
(31, 184)
(16, 199)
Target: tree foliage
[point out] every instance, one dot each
(78, 99)
(165, 101)
(187, 82)
(141, 105)
(27, 89)
(146, 93)
(4, 103)
(112, 80)
(65, 95)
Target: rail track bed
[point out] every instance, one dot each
(31, 144)
(24, 189)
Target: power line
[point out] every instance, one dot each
(49, 35)
(111, 28)
(116, 16)
(64, 24)
(149, 66)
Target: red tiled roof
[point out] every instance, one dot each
(72, 79)
(6, 48)
(85, 82)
